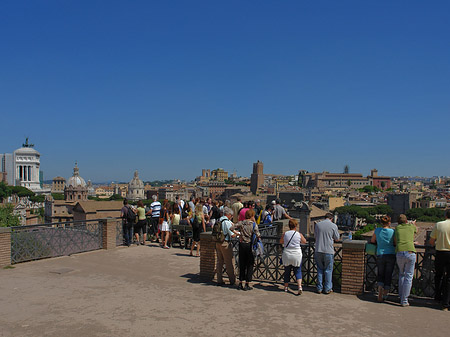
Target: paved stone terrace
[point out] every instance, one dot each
(148, 291)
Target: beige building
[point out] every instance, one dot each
(104, 192)
(90, 210)
(58, 185)
(334, 202)
(219, 174)
(327, 180)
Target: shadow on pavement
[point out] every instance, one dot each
(394, 301)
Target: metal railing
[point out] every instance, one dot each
(423, 280)
(269, 267)
(36, 242)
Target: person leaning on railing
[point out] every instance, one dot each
(406, 256)
(441, 237)
(247, 228)
(384, 238)
(292, 255)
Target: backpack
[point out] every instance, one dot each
(256, 244)
(131, 216)
(217, 232)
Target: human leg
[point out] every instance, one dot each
(408, 260)
(320, 262)
(439, 266)
(287, 276)
(219, 265)
(401, 263)
(249, 269)
(446, 280)
(227, 253)
(242, 262)
(328, 273)
(298, 276)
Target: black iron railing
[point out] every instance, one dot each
(269, 267)
(423, 281)
(55, 239)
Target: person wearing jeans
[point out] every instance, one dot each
(292, 255)
(325, 233)
(324, 263)
(406, 257)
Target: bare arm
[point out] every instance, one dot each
(302, 238)
(432, 241)
(373, 239)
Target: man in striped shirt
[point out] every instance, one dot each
(155, 210)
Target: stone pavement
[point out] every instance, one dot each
(149, 291)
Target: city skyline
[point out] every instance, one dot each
(170, 88)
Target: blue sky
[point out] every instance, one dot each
(171, 87)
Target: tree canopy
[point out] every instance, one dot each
(426, 214)
(7, 217)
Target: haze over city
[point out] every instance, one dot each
(169, 88)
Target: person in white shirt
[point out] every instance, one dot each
(292, 255)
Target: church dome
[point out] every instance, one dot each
(76, 180)
(136, 182)
(135, 188)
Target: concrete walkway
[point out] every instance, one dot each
(148, 291)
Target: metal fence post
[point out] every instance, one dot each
(5, 246)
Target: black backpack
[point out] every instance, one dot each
(131, 216)
(217, 232)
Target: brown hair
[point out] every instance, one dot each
(293, 223)
(140, 203)
(402, 218)
(447, 213)
(249, 214)
(385, 220)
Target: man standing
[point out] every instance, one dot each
(441, 237)
(225, 249)
(325, 233)
(192, 207)
(258, 210)
(236, 207)
(155, 210)
(126, 226)
(279, 212)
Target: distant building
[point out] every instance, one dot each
(136, 188)
(401, 202)
(22, 168)
(381, 182)
(76, 189)
(90, 210)
(58, 185)
(257, 177)
(219, 174)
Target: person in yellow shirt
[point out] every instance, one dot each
(440, 236)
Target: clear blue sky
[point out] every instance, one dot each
(171, 87)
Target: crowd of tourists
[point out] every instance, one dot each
(241, 220)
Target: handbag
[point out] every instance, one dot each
(371, 249)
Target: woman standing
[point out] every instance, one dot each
(292, 255)
(165, 227)
(406, 256)
(141, 225)
(383, 237)
(198, 225)
(247, 228)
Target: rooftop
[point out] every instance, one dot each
(148, 291)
